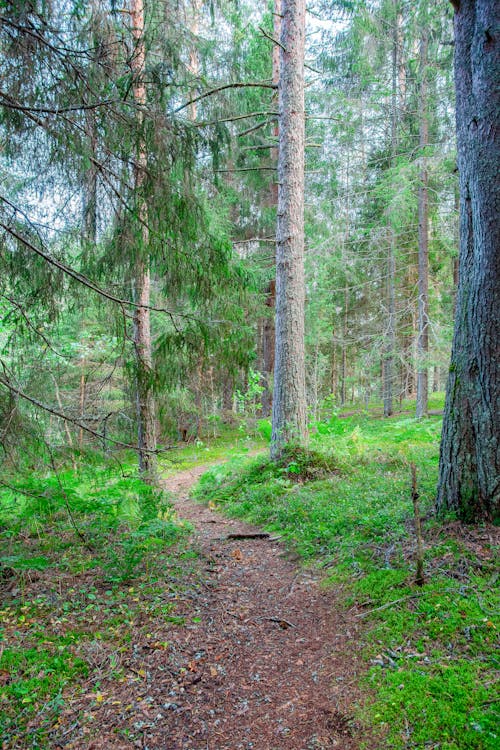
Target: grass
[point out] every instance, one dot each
(430, 649)
(85, 558)
(227, 444)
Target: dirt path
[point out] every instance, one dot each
(271, 661)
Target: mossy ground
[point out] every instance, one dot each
(430, 650)
(84, 557)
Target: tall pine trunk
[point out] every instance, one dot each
(390, 345)
(469, 471)
(423, 243)
(268, 329)
(289, 402)
(146, 412)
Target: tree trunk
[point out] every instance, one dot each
(146, 419)
(423, 243)
(469, 471)
(268, 340)
(81, 401)
(390, 346)
(289, 402)
(343, 391)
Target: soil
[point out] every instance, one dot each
(257, 655)
(267, 663)
(273, 662)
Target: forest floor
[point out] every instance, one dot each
(131, 619)
(235, 648)
(273, 663)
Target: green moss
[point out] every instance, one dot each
(432, 648)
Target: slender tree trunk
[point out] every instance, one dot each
(146, 411)
(423, 243)
(343, 391)
(469, 471)
(289, 402)
(388, 371)
(81, 400)
(334, 377)
(436, 380)
(268, 341)
(343, 394)
(193, 22)
(69, 437)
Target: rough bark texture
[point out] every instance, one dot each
(146, 412)
(268, 331)
(423, 243)
(289, 403)
(469, 475)
(390, 345)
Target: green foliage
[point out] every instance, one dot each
(431, 649)
(84, 556)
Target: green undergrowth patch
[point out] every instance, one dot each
(431, 664)
(232, 443)
(88, 560)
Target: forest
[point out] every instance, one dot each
(249, 374)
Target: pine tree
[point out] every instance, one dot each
(289, 404)
(469, 468)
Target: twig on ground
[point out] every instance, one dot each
(389, 604)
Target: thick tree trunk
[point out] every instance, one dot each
(423, 243)
(289, 402)
(146, 412)
(469, 472)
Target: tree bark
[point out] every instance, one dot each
(268, 333)
(289, 424)
(390, 346)
(423, 243)
(146, 411)
(469, 471)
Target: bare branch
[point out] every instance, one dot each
(271, 38)
(240, 85)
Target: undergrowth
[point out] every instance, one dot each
(84, 558)
(431, 649)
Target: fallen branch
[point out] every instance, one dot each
(280, 620)
(390, 604)
(419, 578)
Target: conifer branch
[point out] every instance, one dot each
(238, 85)
(236, 117)
(8, 102)
(71, 420)
(271, 38)
(77, 276)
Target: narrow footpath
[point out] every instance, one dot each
(271, 658)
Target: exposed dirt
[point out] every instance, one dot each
(272, 660)
(255, 654)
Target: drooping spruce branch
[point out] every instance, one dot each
(224, 87)
(72, 420)
(77, 276)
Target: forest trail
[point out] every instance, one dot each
(272, 659)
